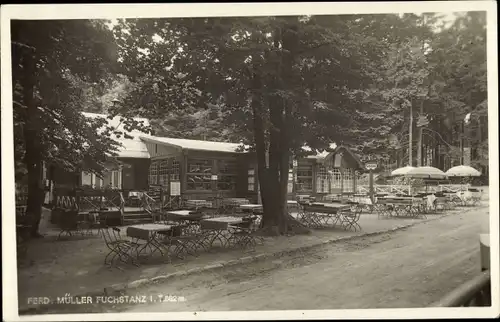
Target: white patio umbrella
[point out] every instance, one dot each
(402, 171)
(426, 173)
(463, 171)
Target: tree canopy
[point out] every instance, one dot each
(275, 83)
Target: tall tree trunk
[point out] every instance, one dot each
(33, 155)
(420, 135)
(259, 137)
(277, 218)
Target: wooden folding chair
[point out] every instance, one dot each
(243, 235)
(350, 219)
(118, 247)
(180, 242)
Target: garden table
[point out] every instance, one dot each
(217, 228)
(321, 214)
(235, 201)
(400, 206)
(188, 218)
(149, 233)
(251, 208)
(198, 203)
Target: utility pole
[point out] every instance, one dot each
(419, 143)
(410, 139)
(462, 142)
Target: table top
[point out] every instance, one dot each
(152, 227)
(331, 204)
(251, 206)
(227, 219)
(180, 212)
(398, 197)
(196, 200)
(292, 202)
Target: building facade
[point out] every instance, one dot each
(197, 169)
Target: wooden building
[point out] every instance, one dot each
(206, 169)
(197, 169)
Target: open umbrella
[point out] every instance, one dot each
(463, 171)
(426, 173)
(401, 171)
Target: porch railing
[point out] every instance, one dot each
(404, 189)
(476, 292)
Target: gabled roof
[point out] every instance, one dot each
(352, 154)
(195, 144)
(337, 149)
(320, 155)
(130, 148)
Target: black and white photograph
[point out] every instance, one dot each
(250, 161)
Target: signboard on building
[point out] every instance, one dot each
(175, 188)
(214, 177)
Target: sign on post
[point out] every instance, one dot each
(371, 166)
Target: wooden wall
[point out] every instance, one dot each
(160, 151)
(135, 174)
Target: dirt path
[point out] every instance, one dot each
(410, 268)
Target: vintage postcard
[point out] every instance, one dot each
(236, 161)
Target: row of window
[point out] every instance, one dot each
(164, 171)
(111, 179)
(201, 174)
(222, 174)
(325, 179)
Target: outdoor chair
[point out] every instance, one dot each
(118, 247)
(93, 221)
(243, 234)
(180, 242)
(476, 195)
(350, 220)
(70, 223)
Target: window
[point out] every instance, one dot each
(322, 180)
(225, 182)
(199, 166)
(336, 179)
(251, 179)
(163, 172)
(90, 179)
(304, 177)
(226, 179)
(199, 174)
(348, 175)
(175, 171)
(290, 181)
(86, 179)
(153, 173)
